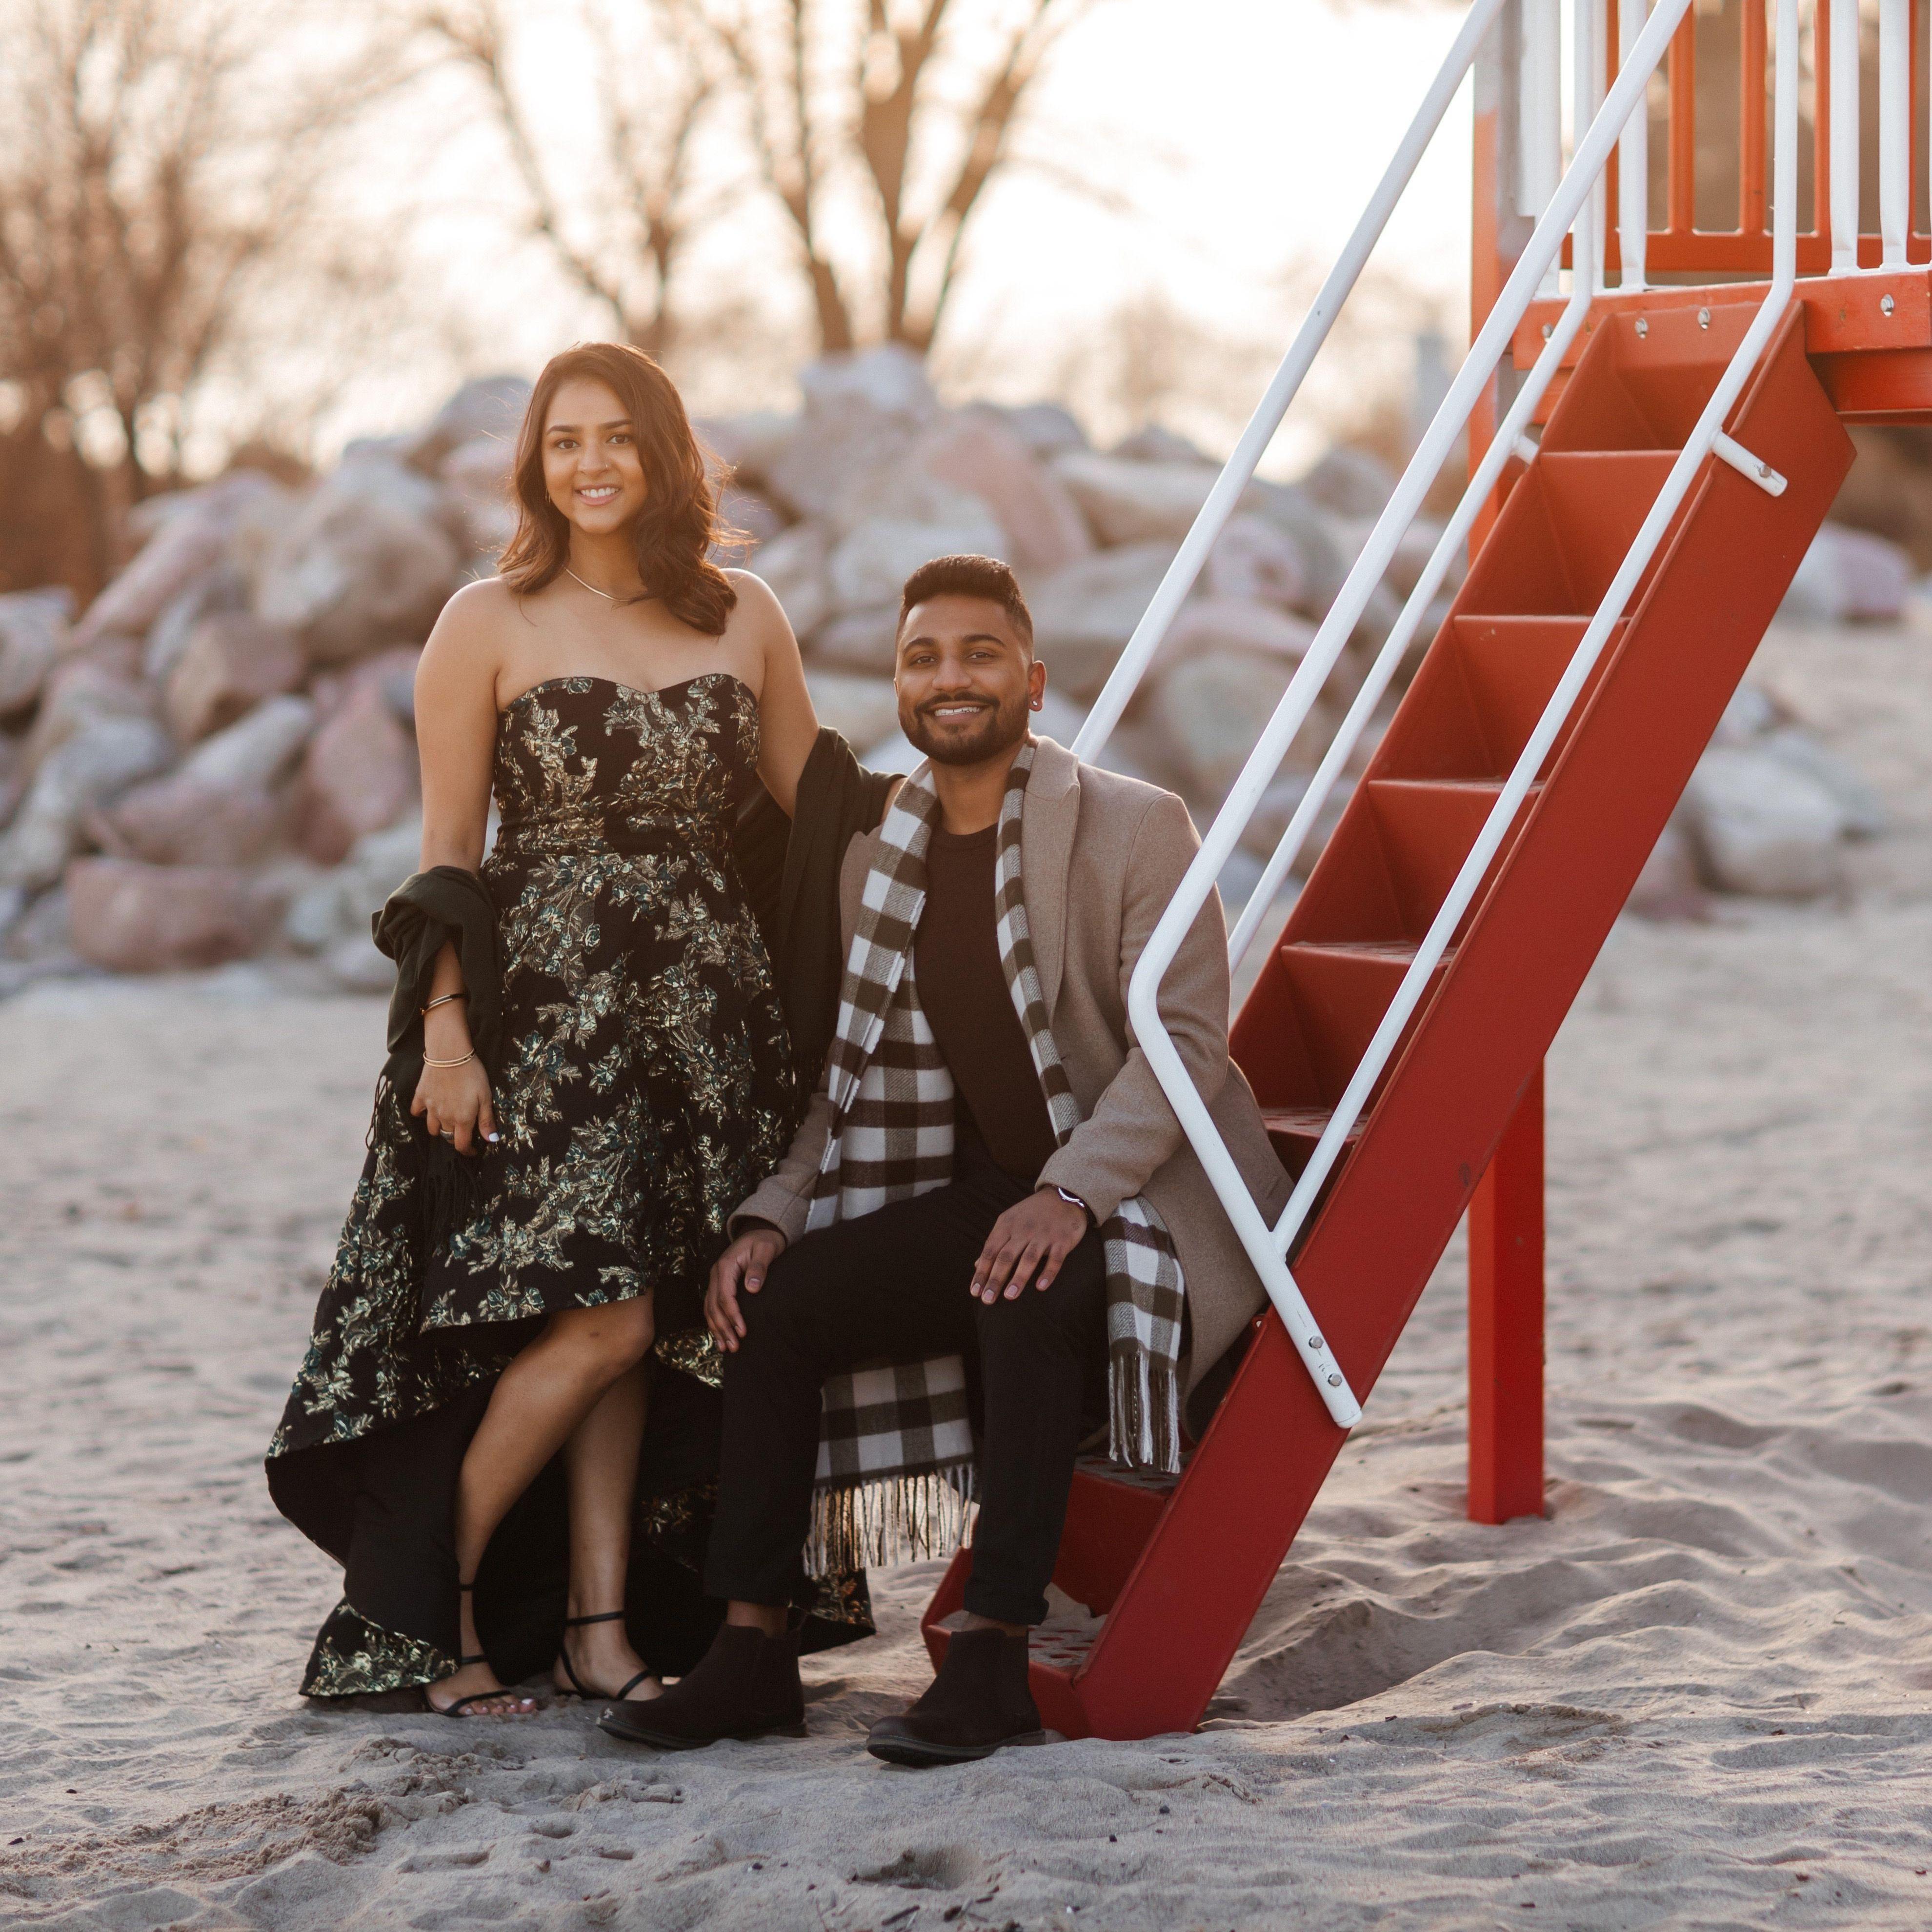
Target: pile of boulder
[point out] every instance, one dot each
(217, 758)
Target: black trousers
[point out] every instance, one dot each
(892, 1285)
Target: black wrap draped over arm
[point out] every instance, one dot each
(790, 871)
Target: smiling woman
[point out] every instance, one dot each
(590, 1069)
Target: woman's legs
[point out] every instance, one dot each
(600, 1461)
(538, 1403)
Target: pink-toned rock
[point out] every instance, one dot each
(1043, 526)
(133, 918)
(228, 805)
(178, 821)
(190, 533)
(232, 661)
(360, 774)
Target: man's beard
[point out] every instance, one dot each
(997, 729)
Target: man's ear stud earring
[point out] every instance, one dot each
(1038, 703)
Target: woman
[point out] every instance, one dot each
(605, 1073)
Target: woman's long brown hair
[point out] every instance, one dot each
(675, 530)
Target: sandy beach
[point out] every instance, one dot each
(1698, 1695)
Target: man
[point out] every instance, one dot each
(989, 1168)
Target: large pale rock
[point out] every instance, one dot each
(793, 565)
(226, 805)
(263, 748)
(1084, 615)
(222, 590)
(1325, 550)
(1669, 886)
(232, 662)
(1254, 563)
(477, 475)
(360, 774)
(1849, 576)
(34, 626)
(863, 641)
(862, 709)
(366, 562)
(134, 918)
(1225, 624)
(864, 415)
(1763, 825)
(1041, 526)
(191, 530)
(81, 690)
(890, 378)
(1045, 428)
(1351, 482)
(1210, 709)
(1859, 800)
(748, 445)
(332, 916)
(86, 770)
(1128, 502)
(485, 408)
(870, 566)
(1155, 442)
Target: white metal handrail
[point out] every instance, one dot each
(1267, 1247)
(1238, 472)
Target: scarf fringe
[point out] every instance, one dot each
(901, 1519)
(1144, 1413)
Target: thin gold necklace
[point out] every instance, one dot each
(609, 597)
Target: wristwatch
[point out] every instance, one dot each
(1073, 1200)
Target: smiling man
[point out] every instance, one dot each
(990, 1176)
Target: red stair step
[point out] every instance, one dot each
(1567, 527)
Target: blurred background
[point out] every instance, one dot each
(1004, 275)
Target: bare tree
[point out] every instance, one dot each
(158, 159)
(907, 112)
(656, 79)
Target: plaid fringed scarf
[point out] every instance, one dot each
(894, 1476)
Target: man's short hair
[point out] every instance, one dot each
(984, 577)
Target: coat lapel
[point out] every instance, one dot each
(1046, 852)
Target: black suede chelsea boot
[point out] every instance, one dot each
(978, 1701)
(745, 1686)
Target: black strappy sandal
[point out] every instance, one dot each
(577, 1683)
(461, 1707)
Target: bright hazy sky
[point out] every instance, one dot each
(1244, 136)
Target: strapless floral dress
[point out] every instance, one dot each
(643, 1088)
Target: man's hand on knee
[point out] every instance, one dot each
(740, 1269)
(1037, 1234)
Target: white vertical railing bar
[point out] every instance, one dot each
(1894, 127)
(1257, 1238)
(1509, 440)
(1633, 161)
(1683, 473)
(1844, 135)
(1539, 113)
(1238, 471)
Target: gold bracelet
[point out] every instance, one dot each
(443, 999)
(464, 1062)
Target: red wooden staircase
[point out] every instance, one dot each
(1173, 1573)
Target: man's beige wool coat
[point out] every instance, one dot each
(1101, 855)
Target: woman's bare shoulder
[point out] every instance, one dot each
(474, 634)
(757, 604)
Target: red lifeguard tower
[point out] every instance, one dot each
(1653, 442)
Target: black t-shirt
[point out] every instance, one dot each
(963, 989)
